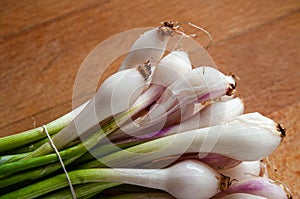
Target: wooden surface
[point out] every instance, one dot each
(42, 44)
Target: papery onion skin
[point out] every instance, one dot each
(242, 196)
(214, 114)
(257, 186)
(171, 67)
(254, 135)
(200, 85)
(215, 161)
(148, 47)
(112, 97)
(193, 88)
(245, 170)
(176, 64)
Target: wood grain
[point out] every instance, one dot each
(55, 50)
(22, 16)
(42, 44)
(266, 61)
(286, 159)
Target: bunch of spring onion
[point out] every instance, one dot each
(160, 127)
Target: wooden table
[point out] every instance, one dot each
(42, 44)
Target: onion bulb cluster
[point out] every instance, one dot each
(166, 126)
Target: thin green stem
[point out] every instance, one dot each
(58, 182)
(31, 146)
(84, 190)
(16, 157)
(21, 139)
(13, 167)
(5, 159)
(33, 174)
(101, 151)
(76, 150)
(35, 145)
(151, 150)
(108, 128)
(132, 156)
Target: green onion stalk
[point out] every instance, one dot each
(20, 168)
(30, 138)
(99, 155)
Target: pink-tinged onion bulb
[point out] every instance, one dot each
(257, 186)
(150, 46)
